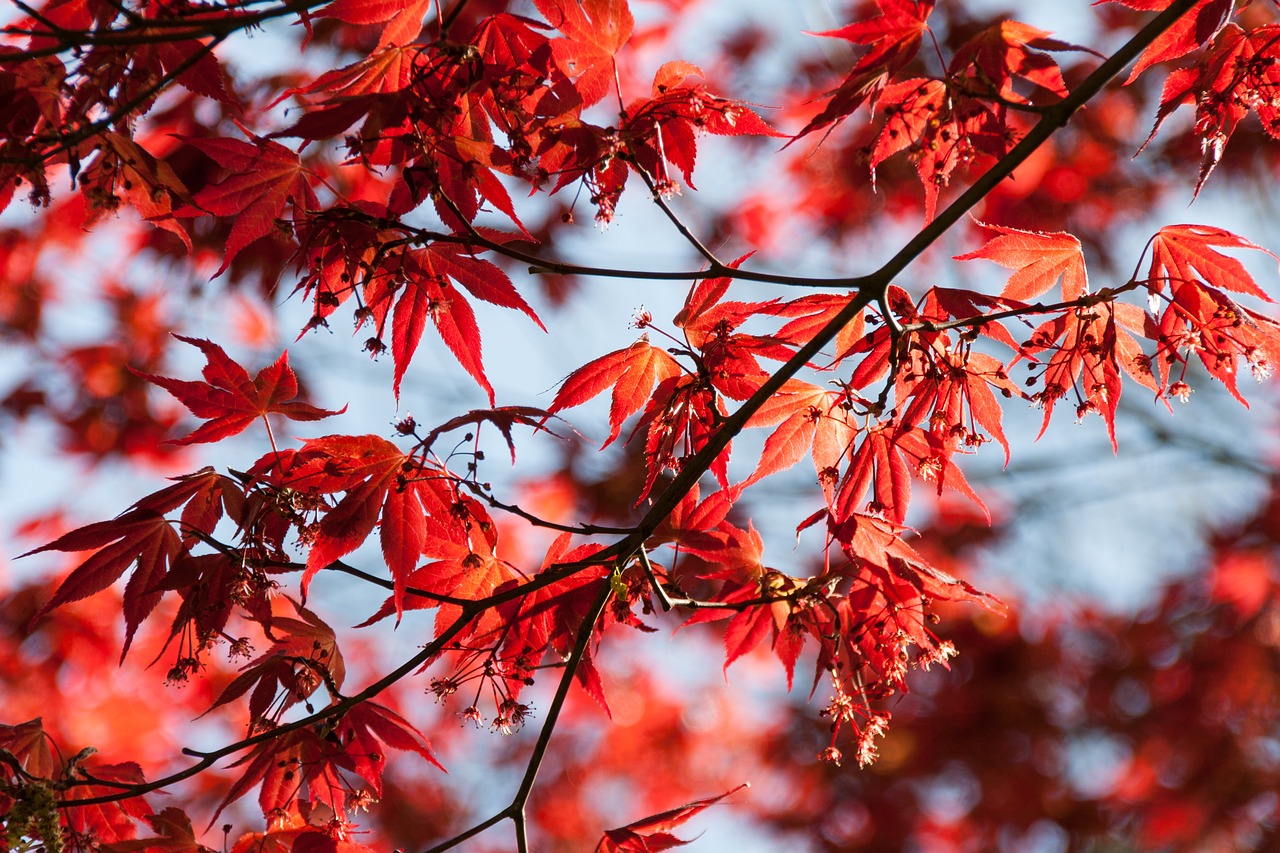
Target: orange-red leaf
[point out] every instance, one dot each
(1039, 260)
(1184, 254)
(631, 372)
(594, 32)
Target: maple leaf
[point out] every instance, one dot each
(28, 744)
(1007, 50)
(149, 185)
(425, 278)
(664, 128)
(468, 571)
(808, 419)
(961, 304)
(594, 32)
(264, 177)
(174, 835)
(874, 542)
(1085, 343)
(547, 619)
(286, 766)
(366, 728)
(230, 400)
(649, 835)
(955, 398)
(736, 556)
(893, 39)
(679, 419)
(940, 130)
(137, 537)
(631, 372)
(1039, 260)
(1204, 320)
(1233, 78)
(111, 821)
(1183, 255)
(141, 537)
(1184, 35)
(401, 19)
(381, 484)
(811, 313)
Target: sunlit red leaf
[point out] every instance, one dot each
(1039, 261)
(650, 834)
(631, 372)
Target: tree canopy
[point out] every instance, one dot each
(871, 243)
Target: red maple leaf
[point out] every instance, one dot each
(547, 619)
(230, 400)
(631, 372)
(288, 766)
(650, 835)
(594, 32)
(884, 464)
(124, 168)
(421, 285)
(467, 571)
(1235, 76)
(1085, 343)
(304, 655)
(809, 419)
(29, 746)
(1186, 34)
(411, 502)
(264, 178)
(401, 19)
(940, 130)
(1006, 51)
(108, 822)
(664, 128)
(1039, 260)
(174, 835)
(893, 39)
(365, 729)
(1184, 255)
(141, 537)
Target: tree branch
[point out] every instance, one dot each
(516, 810)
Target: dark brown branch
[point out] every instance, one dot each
(1107, 294)
(172, 29)
(451, 16)
(537, 521)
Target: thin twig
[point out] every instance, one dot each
(698, 245)
(516, 809)
(583, 641)
(663, 598)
